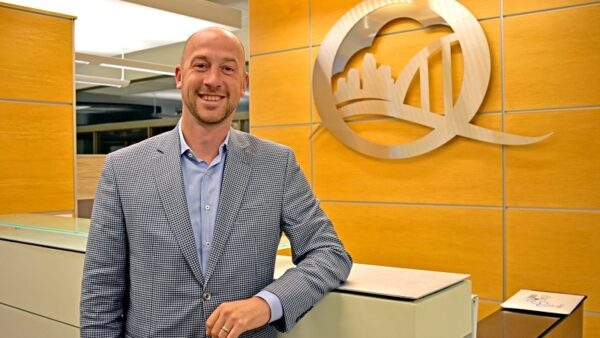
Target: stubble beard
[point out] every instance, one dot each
(213, 119)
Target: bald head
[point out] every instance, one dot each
(213, 33)
(212, 77)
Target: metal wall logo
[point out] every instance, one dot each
(372, 90)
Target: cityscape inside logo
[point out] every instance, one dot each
(371, 90)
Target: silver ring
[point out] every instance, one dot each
(225, 329)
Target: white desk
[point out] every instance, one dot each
(41, 275)
(386, 302)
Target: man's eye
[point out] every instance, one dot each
(228, 70)
(201, 66)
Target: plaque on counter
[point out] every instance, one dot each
(540, 301)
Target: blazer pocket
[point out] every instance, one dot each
(253, 203)
(251, 215)
(251, 211)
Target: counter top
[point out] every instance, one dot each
(58, 232)
(384, 281)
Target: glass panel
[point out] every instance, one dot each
(85, 143)
(110, 141)
(60, 225)
(47, 223)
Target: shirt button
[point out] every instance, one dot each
(207, 243)
(207, 207)
(190, 155)
(206, 296)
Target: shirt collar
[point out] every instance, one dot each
(184, 147)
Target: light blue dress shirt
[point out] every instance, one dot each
(202, 182)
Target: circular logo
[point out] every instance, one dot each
(372, 90)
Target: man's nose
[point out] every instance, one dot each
(213, 78)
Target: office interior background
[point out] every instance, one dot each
(513, 217)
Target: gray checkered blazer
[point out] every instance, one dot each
(142, 277)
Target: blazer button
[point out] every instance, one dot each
(206, 296)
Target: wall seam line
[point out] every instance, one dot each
(406, 204)
(56, 103)
(551, 109)
(553, 9)
(503, 154)
(38, 315)
(310, 106)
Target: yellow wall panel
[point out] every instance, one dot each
(520, 6)
(27, 69)
(486, 308)
(591, 325)
(281, 89)
(314, 53)
(36, 157)
(460, 172)
(89, 168)
(295, 137)
(562, 171)
(552, 59)
(278, 25)
(462, 240)
(554, 251)
(324, 15)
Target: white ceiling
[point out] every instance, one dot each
(113, 27)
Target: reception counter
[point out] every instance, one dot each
(42, 263)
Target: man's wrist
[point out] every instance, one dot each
(274, 304)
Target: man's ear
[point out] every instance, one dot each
(178, 76)
(245, 82)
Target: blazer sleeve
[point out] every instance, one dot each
(104, 285)
(321, 261)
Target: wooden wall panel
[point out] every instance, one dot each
(89, 168)
(460, 172)
(543, 60)
(29, 71)
(36, 157)
(486, 308)
(278, 25)
(562, 171)
(591, 326)
(552, 59)
(520, 6)
(553, 250)
(324, 14)
(295, 137)
(281, 93)
(462, 240)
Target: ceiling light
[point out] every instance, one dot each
(101, 81)
(141, 66)
(139, 69)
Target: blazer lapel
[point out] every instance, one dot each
(236, 174)
(169, 181)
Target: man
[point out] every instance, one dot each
(186, 225)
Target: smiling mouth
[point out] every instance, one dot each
(212, 98)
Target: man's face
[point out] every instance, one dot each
(211, 76)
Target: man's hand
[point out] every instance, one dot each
(234, 318)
